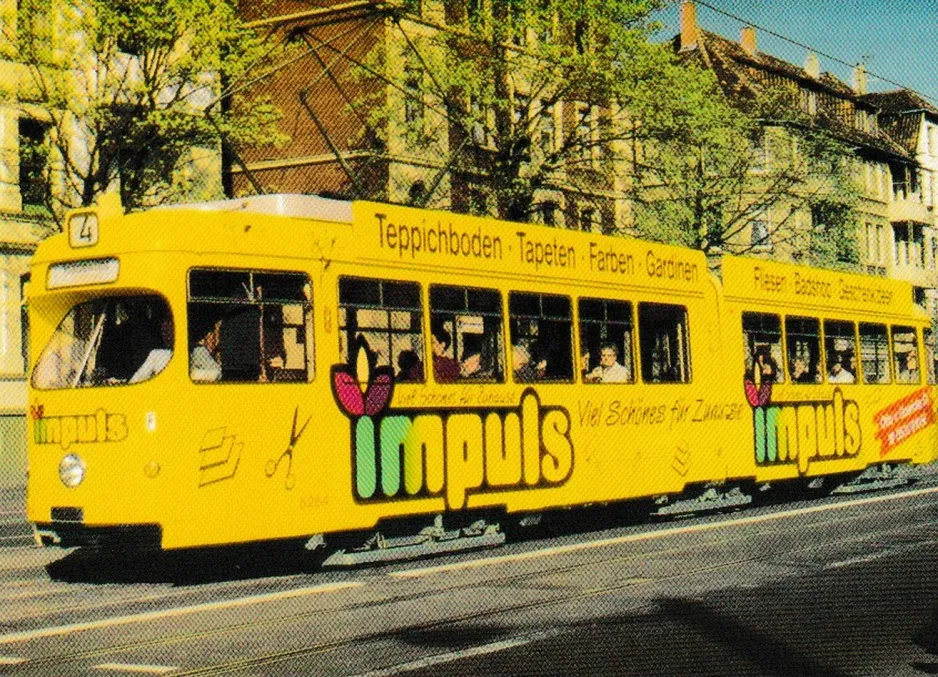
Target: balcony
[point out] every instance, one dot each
(905, 209)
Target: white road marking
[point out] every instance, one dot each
(451, 656)
(140, 668)
(57, 630)
(653, 535)
(12, 660)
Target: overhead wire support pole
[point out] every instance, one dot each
(332, 147)
(243, 85)
(328, 72)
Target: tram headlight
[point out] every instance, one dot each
(72, 470)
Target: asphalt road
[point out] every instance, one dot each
(843, 586)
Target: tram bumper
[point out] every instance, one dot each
(64, 534)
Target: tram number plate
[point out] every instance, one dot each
(83, 230)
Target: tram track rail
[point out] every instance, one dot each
(785, 556)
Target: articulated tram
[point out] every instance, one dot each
(287, 366)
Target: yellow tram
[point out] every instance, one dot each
(289, 366)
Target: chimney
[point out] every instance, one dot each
(688, 26)
(747, 40)
(859, 79)
(812, 66)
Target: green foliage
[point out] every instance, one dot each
(482, 87)
(723, 179)
(132, 89)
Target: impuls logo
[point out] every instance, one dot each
(83, 428)
(800, 432)
(417, 454)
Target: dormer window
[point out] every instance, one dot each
(808, 100)
(863, 120)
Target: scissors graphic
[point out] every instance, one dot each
(274, 465)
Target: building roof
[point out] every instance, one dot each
(900, 101)
(739, 74)
(901, 113)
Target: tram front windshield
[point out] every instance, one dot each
(109, 341)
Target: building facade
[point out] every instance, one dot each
(819, 101)
(913, 122)
(420, 152)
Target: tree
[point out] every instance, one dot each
(129, 91)
(747, 177)
(516, 97)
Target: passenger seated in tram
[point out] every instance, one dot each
(525, 371)
(800, 372)
(763, 367)
(908, 369)
(204, 359)
(410, 370)
(609, 370)
(445, 368)
(839, 373)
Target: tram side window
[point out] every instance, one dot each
(803, 338)
(931, 356)
(248, 326)
(840, 345)
(384, 317)
(106, 342)
(541, 332)
(466, 326)
(905, 354)
(874, 353)
(606, 341)
(665, 354)
(762, 344)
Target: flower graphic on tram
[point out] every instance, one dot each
(759, 379)
(348, 379)
(758, 395)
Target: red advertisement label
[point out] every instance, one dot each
(900, 420)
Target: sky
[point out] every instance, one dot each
(896, 39)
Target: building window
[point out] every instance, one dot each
(761, 235)
(478, 201)
(34, 162)
(548, 212)
(547, 129)
(413, 101)
(909, 243)
(808, 101)
(24, 320)
(589, 220)
(521, 110)
(585, 126)
(479, 123)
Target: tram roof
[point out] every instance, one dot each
(293, 205)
